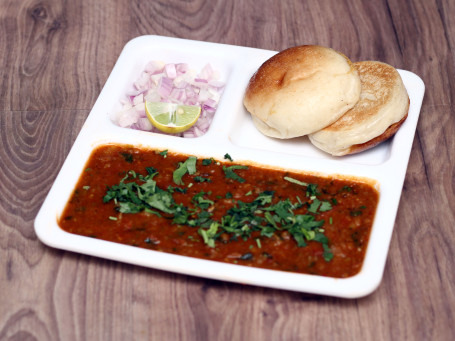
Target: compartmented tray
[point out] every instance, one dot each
(231, 131)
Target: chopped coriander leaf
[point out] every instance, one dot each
(201, 201)
(128, 157)
(129, 207)
(203, 219)
(152, 212)
(283, 209)
(230, 174)
(181, 215)
(321, 206)
(201, 179)
(151, 170)
(271, 220)
(314, 206)
(300, 239)
(325, 206)
(164, 153)
(161, 200)
(209, 235)
(311, 190)
(265, 197)
(355, 213)
(189, 166)
(328, 255)
(228, 157)
(306, 222)
(171, 189)
(207, 162)
(133, 197)
(359, 211)
(228, 195)
(295, 181)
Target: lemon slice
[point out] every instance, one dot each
(170, 117)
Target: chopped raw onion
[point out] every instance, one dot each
(174, 83)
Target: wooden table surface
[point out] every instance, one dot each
(55, 58)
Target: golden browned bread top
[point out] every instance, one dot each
(292, 64)
(300, 90)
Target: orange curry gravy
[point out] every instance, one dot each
(212, 198)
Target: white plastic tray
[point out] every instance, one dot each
(231, 131)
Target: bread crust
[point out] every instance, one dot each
(390, 131)
(381, 110)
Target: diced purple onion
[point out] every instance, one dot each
(174, 83)
(170, 70)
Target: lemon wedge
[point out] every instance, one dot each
(172, 118)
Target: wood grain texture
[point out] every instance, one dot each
(55, 58)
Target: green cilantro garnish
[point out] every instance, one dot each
(201, 179)
(230, 174)
(207, 162)
(128, 157)
(228, 157)
(295, 181)
(201, 200)
(325, 206)
(264, 216)
(189, 166)
(151, 170)
(133, 198)
(209, 234)
(311, 190)
(313, 208)
(357, 212)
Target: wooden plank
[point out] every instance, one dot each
(55, 58)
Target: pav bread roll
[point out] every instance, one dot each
(301, 90)
(381, 110)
